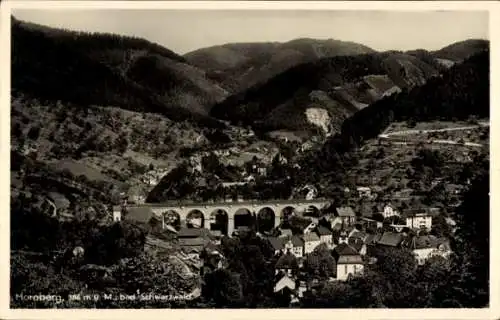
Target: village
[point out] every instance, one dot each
(310, 248)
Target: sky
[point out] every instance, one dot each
(186, 30)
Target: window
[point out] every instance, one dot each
(345, 269)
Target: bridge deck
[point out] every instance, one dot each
(226, 203)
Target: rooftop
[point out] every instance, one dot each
(323, 231)
(345, 250)
(350, 259)
(391, 239)
(276, 243)
(194, 233)
(311, 236)
(345, 212)
(297, 241)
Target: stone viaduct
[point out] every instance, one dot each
(209, 211)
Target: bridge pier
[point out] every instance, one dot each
(277, 220)
(230, 226)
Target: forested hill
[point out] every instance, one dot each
(238, 66)
(340, 86)
(457, 94)
(461, 50)
(108, 70)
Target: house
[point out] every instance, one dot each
(372, 223)
(390, 239)
(347, 215)
(343, 237)
(325, 235)
(193, 241)
(389, 211)
(311, 241)
(287, 264)
(284, 285)
(349, 261)
(418, 219)
(372, 239)
(357, 244)
(310, 228)
(363, 192)
(262, 171)
(424, 247)
(117, 213)
(277, 244)
(295, 245)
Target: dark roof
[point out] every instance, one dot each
(194, 233)
(345, 250)
(139, 214)
(287, 261)
(297, 241)
(350, 259)
(345, 212)
(390, 239)
(423, 242)
(323, 231)
(311, 236)
(356, 243)
(277, 243)
(373, 238)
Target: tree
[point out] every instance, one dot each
(34, 133)
(469, 279)
(320, 263)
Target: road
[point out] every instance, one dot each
(452, 142)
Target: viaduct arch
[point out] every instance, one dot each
(214, 215)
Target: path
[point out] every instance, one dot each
(452, 142)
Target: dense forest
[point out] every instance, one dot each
(336, 84)
(91, 69)
(460, 92)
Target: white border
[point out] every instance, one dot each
(493, 312)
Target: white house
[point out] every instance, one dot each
(425, 247)
(325, 235)
(364, 192)
(284, 282)
(419, 220)
(389, 211)
(349, 262)
(347, 215)
(311, 241)
(117, 213)
(295, 245)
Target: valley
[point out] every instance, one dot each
(246, 175)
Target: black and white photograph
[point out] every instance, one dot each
(169, 158)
